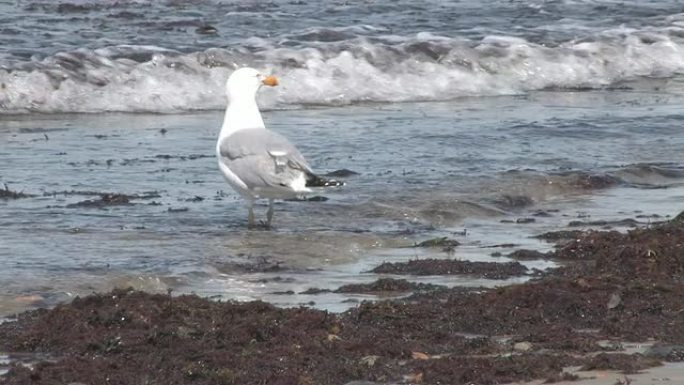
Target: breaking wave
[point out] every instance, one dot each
(424, 67)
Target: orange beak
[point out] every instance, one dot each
(270, 81)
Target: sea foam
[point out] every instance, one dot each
(423, 67)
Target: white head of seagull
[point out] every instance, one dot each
(259, 163)
(245, 82)
(241, 90)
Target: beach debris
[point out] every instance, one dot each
(560, 235)
(562, 315)
(385, 285)
(527, 255)
(369, 360)
(438, 242)
(333, 337)
(431, 266)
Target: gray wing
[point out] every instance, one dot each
(263, 158)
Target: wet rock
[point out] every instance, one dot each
(527, 255)
(315, 290)
(7, 194)
(286, 292)
(438, 242)
(315, 198)
(628, 222)
(514, 201)
(206, 30)
(666, 352)
(179, 157)
(594, 182)
(105, 200)
(490, 270)
(342, 173)
(560, 235)
(647, 216)
(502, 245)
(258, 264)
(274, 279)
(143, 196)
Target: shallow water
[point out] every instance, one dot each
(424, 170)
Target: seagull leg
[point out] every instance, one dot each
(250, 216)
(269, 213)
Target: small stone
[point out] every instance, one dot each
(206, 30)
(614, 301)
(522, 347)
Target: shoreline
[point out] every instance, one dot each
(611, 289)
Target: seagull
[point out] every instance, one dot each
(259, 163)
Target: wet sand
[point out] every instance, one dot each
(612, 290)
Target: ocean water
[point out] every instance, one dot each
(458, 119)
(156, 56)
